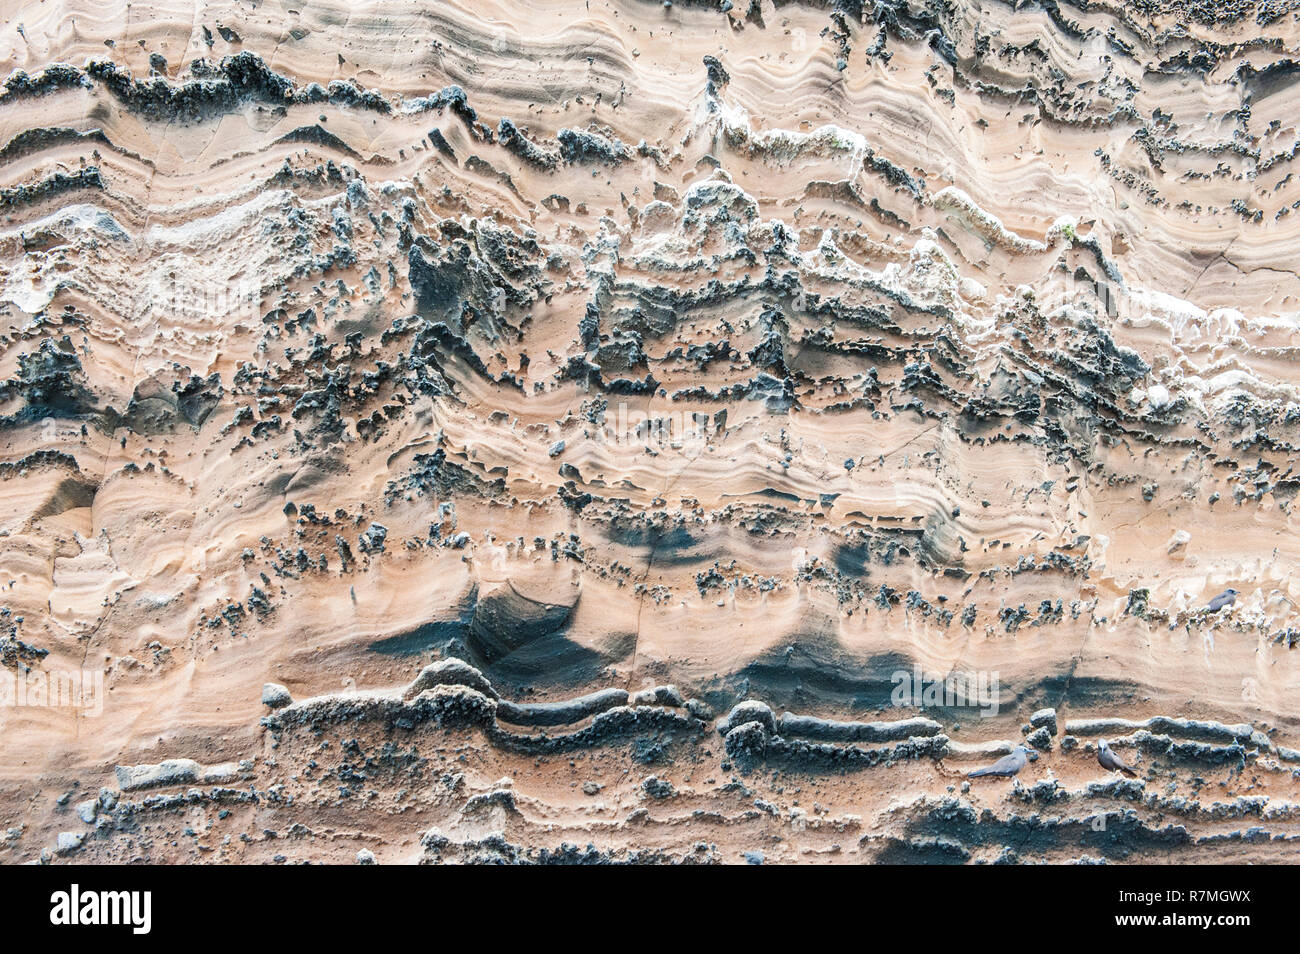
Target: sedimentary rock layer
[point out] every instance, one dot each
(648, 360)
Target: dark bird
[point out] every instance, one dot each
(1112, 762)
(1006, 766)
(1226, 598)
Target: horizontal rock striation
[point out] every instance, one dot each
(703, 393)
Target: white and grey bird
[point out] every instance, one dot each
(1226, 598)
(1112, 762)
(1006, 766)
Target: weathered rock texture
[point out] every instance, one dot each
(761, 352)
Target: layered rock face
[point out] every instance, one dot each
(757, 417)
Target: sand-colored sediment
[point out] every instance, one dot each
(766, 352)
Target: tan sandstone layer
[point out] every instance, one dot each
(764, 352)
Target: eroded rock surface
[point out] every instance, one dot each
(628, 402)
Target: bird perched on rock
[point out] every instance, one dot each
(1112, 762)
(1226, 598)
(1006, 766)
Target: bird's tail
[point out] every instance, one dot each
(1129, 772)
(979, 773)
